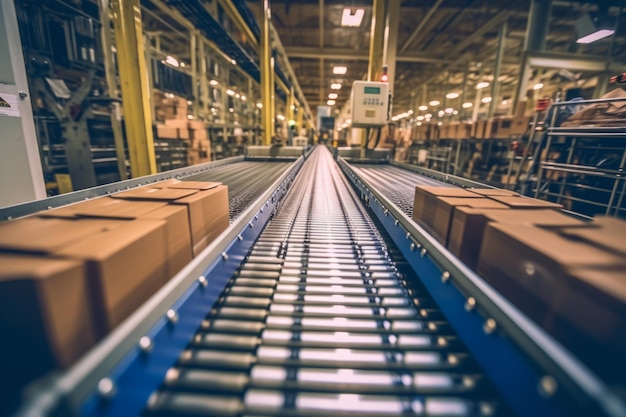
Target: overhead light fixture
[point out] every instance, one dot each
(410, 112)
(243, 98)
(422, 108)
(230, 92)
(352, 17)
(538, 86)
(441, 113)
(213, 82)
(482, 85)
(340, 69)
(505, 102)
(420, 118)
(237, 95)
(335, 86)
(434, 103)
(259, 105)
(280, 117)
(333, 96)
(331, 102)
(467, 105)
(419, 123)
(449, 110)
(172, 61)
(452, 95)
(428, 115)
(182, 64)
(486, 100)
(455, 112)
(231, 110)
(591, 30)
(439, 123)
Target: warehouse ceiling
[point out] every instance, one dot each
(458, 40)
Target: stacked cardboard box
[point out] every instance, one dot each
(70, 275)
(200, 149)
(168, 106)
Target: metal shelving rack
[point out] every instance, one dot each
(588, 170)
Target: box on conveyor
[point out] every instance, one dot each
(446, 206)
(206, 202)
(468, 225)
(576, 290)
(520, 202)
(609, 233)
(45, 319)
(493, 192)
(425, 201)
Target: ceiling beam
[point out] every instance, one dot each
(354, 55)
(421, 26)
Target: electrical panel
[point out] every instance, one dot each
(370, 103)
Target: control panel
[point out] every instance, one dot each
(370, 103)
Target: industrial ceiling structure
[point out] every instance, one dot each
(443, 45)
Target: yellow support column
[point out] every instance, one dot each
(376, 41)
(135, 86)
(300, 119)
(291, 105)
(265, 56)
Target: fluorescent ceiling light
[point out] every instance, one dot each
(419, 123)
(332, 96)
(455, 112)
(596, 36)
(538, 86)
(449, 110)
(590, 30)
(428, 115)
(259, 105)
(237, 95)
(243, 98)
(335, 86)
(422, 108)
(452, 95)
(467, 105)
(230, 92)
(481, 85)
(213, 82)
(410, 112)
(331, 102)
(280, 117)
(340, 69)
(172, 61)
(420, 118)
(505, 102)
(486, 100)
(352, 17)
(440, 113)
(439, 123)
(434, 103)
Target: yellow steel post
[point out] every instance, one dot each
(135, 86)
(376, 41)
(193, 49)
(300, 118)
(265, 55)
(291, 104)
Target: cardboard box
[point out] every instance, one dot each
(166, 132)
(480, 129)
(498, 128)
(520, 125)
(198, 134)
(153, 194)
(532, 266)
(45, 313)
(493, 192)
(464, 131)
(179, 124)
(39, 235)
(208, 215)
(113, 208)
(446, 207)
(186, 185)
(610, 234)
(525, 202)
(425, 201)
(468, 226)
(125, 264)
(177, 236)
(197, 125)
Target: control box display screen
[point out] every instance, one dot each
(371, 90)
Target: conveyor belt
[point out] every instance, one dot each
(323, 319)
(246, 181)
(395, 183)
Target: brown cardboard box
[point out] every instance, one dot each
(444, 212)
(165, 132)
(208, 215)
(530, 266)
(425, 201)
(468, 226)
(520, 125)
(198, 134)
(498, 127)
(179, 124)
(126, 265)
(114, 208)
(154, 194)
(525, 202)
(494, 192)
(186, 185)
(464, 131)
(610, 234)
(47, 235)
(45, 313)
(197, 125)
(45, 319)
(177, 236)
(480, 129)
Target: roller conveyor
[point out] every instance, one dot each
(320, 320)
(323, 298)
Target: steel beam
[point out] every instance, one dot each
(356, 55)
(573, 62)
(135, 86)
(421, 25)
(233, 13)
(495, 84)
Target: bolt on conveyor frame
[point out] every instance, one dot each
(535, 374)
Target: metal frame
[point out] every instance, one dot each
(20, 210)
(548, 380)
(119, 374)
